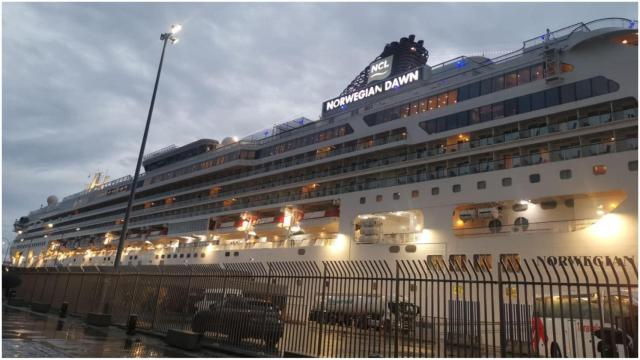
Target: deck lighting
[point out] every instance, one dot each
(49, 225)
(77, 229)
(19, 232)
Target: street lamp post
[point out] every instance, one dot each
(169, 36)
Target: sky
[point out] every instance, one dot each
(77, 78)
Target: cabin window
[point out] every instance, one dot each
(363, 200)
(378, 198)
(458, 263)
(568, 93)
(510, 262)
(435, 190)
(599, 169)
(583, 89)
(202, 255)
(534, 178)
(506, 181)
(410, 248)
(633, 165)
(396, 196)
(569, 203)
(565, 174)
(456, 188)
(548, 205)
(482, 262)
(524, 75)
(481, 185)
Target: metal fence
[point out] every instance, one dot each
(547, 306)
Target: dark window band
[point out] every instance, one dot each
(543, 99)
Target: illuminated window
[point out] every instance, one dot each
(511, 80)
(510, 262)
(442, 100)
(452, 97)
(599, 169)
(483, 262)
(458, 263)
(524, 76)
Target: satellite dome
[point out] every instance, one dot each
(229, 140)
(52, 200)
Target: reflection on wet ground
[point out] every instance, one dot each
(27, 334)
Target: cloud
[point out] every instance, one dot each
(77, 77)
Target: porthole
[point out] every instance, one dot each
(548, 205)
(396, 196)
(506, 181)
(227, 253)
(456, 188)
(521, 224)
(363, 200)
(236, 253)
(482, 185)
(189, 255)
(565, 174)
(202, 255)
(394, 249)
(301, 251)
(435, 190)
(181, 256)
(534, 178)
(495, 226)
(633, 165)
(569, 203)
(410, 248)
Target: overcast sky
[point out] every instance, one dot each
(77, 78)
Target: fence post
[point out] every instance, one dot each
(503, 334)
(396, 312)
(323, 292)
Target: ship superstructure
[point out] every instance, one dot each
(532, 153)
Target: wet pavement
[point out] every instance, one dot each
(29, 334)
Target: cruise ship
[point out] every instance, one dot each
(533, 153)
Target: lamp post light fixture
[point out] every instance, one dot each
(168, 36)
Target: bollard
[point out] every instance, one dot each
(131, 324)
(63, 309)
